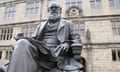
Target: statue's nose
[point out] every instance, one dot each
(54, 9)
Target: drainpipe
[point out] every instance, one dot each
(41, 4)
(89, 52)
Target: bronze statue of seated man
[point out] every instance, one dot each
(50, 48)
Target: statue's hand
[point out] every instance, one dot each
(64, 47)
(60, 50)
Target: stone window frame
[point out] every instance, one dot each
(4, 50)
(96, 4)
(28, 29)
(114, 3)
(80, 28)
(10, 12)
(116, 54)
(115, 27)
(8, 54)
(6, 33)
(33, 8)
(73, 3)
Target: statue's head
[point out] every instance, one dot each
(54, 11)
(19, 36)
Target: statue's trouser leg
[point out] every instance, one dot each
(22, 58)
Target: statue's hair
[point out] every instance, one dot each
(53, 4)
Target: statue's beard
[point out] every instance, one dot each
(54, 17)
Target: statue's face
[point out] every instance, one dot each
(54, 12)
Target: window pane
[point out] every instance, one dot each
(32, 8)
(6, 15)
(11, 9)
(98, 3)
(119, 54)
(82, 29)
(117, 3)
(118, 24)
(37, 4)
(81, 32)
(80, 5)
(0, 54)
(73, 0)
(0, 34)
(114, 55)
(8, 54)
(67, 1)
(114, 3)
(14, 14)
(32, 11)
(76, 27)
(6, 33)
(7, 9)
(28, 6)
(10, 12)
(116, 27)
(36, 11)
(82, 26)
(111, 3)
(119, 31)
(28, 30)
(14, 8)
(95, 4)
(113, 25)
(92, 4)
(11, 33)
(115, 32)
(28, 12)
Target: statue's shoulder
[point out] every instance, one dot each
(42, 23)
(66, 21)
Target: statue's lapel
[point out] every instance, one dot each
(61, 24)
(42, 27)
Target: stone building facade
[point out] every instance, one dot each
(97, 21)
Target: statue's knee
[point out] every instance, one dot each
(22, 42)
(22, 45)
